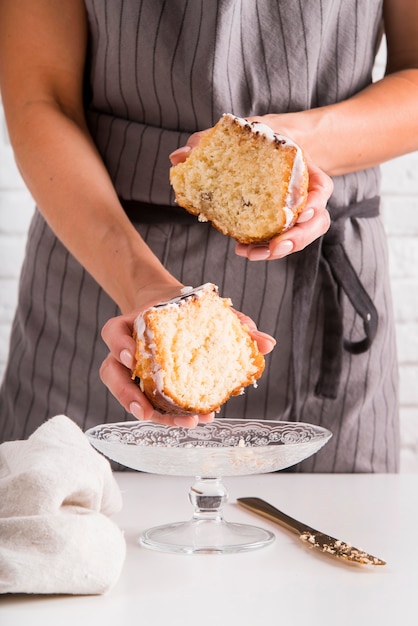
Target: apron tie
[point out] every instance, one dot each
(328, 257)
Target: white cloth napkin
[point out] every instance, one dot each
(56, 493)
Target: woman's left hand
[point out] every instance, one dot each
(313, 222)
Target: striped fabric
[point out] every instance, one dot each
(160, 70)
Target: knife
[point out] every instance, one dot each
(315, 538)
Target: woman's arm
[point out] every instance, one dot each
(42, 56)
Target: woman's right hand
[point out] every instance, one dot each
(116, 369)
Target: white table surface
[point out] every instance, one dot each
(285, 583)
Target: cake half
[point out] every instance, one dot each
(250, 182)
(193, 353)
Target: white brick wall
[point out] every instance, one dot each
(400, 198)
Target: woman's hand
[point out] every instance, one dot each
(116, 369)
(313, 222)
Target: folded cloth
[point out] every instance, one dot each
(56, 493)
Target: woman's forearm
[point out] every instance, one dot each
(67, 179)
(375, 125)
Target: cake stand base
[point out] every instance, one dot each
(201, 536)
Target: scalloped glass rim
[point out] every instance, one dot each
(225, 447)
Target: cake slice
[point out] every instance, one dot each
(250, 182)
(193, 353)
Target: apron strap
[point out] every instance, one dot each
(328, 257)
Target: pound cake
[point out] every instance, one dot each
(250, 182)
(193, 353)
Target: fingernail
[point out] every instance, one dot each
(259, 253)
(136, 410)
(182, 150)
(206, 419)
(305, 216)
(126, 358)
(283, 248)
(187, 422)
(266, 337)
(240, 250)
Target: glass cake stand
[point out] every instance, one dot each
(209, 452)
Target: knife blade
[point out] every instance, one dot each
(315, 538)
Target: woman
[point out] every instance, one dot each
(97, 95)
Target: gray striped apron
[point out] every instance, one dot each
(159, 70)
